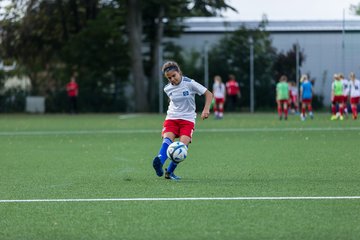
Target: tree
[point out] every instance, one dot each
(285, 64)
(51, 38)
(46, 37)
(232, 55)
(355, 9)
(156, 18)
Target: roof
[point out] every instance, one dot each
(212, 24)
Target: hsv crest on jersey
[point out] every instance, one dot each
(185, 93)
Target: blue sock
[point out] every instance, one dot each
(172, 167)
(162, 153)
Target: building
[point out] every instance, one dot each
(329, 46)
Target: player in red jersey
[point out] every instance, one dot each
(72, 89)
(233, 92)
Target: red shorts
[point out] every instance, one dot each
(306, 101)
(293, 99)
(178, 127)
(219, 100)
(355, 100)
(345, 99)
(282, 101)
(338, 99)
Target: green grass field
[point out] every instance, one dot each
(99, 167)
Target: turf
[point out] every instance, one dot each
(243, 155)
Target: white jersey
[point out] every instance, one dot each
(354, 88)
(182, 99)
(346, 88)
(293, 90)
(219, 90)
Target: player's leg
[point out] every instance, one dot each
(296, 107)
(303, 109)
(354, 102)
(279, 109)
(186, 131)
(309, 106)
(221, 108)
(286, 109)
(160, 159)
(169, 133)
(354, 111)
(345, 105)
(169, 173)
(216, 109)
(341, 110)
(333, 109)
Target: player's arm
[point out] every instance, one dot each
(224, 93)
(238, 91)
(206, 111)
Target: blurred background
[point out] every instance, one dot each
(116, 48)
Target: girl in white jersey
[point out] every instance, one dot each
(354, 86)
(219, 91)
(181, 114)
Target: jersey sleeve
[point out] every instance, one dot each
(198, 88)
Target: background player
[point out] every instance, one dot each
(354, 86)
(306, 92)
(233, 92)
(282, 97)
(293, 91)
(345, 83)
(219, 91)
(337, 98)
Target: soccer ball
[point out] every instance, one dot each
(177, 152)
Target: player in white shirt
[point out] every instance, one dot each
(345, 83)
(354, 87)
(219, 91)
(293, 90)
(181, 114)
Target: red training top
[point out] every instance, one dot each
(232, 87)
(72, 89)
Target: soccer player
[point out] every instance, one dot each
(219, 92)
(180, 117)
(233, 92)
(72, 89)
(293, 91)
(306, 92)
(282, 97)
(337, 97)
(354, 86)
(346, 92)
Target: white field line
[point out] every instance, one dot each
(128, 116)
(137, 131)
(183, 199)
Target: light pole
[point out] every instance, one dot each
(251, 42)
(160, 79)
(206, 65)
(343, 43)
(297, 69)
